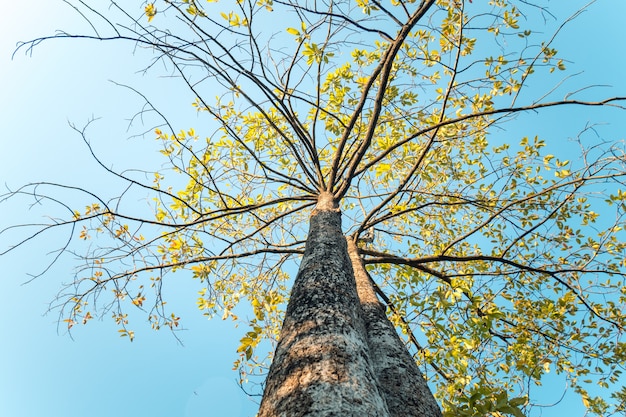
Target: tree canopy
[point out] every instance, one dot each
(500, 258)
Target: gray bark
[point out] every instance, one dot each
(322, 366)
(399, 379)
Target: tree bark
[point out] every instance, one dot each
(323, 365)
(399, 379)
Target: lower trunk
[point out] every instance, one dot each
(323, 362)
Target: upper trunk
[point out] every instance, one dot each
(338, 354)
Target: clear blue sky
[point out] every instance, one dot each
(42, 371)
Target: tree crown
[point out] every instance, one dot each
(490, 249)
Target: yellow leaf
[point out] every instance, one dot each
(138, 301)
(176, 245)
(87, 317)
(151, 11)
(293, 31)
(382, 169)
(160, 215)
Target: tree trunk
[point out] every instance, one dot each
(399, 379)
(322, 366)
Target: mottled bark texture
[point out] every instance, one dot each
(323, 362)
(400, 381)
(321, 365)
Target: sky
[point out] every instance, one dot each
(44, 371)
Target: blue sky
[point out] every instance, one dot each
(43, 372)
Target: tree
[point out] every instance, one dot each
(338, 353)
(489, 254)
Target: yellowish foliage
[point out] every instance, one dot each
(150, 11)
